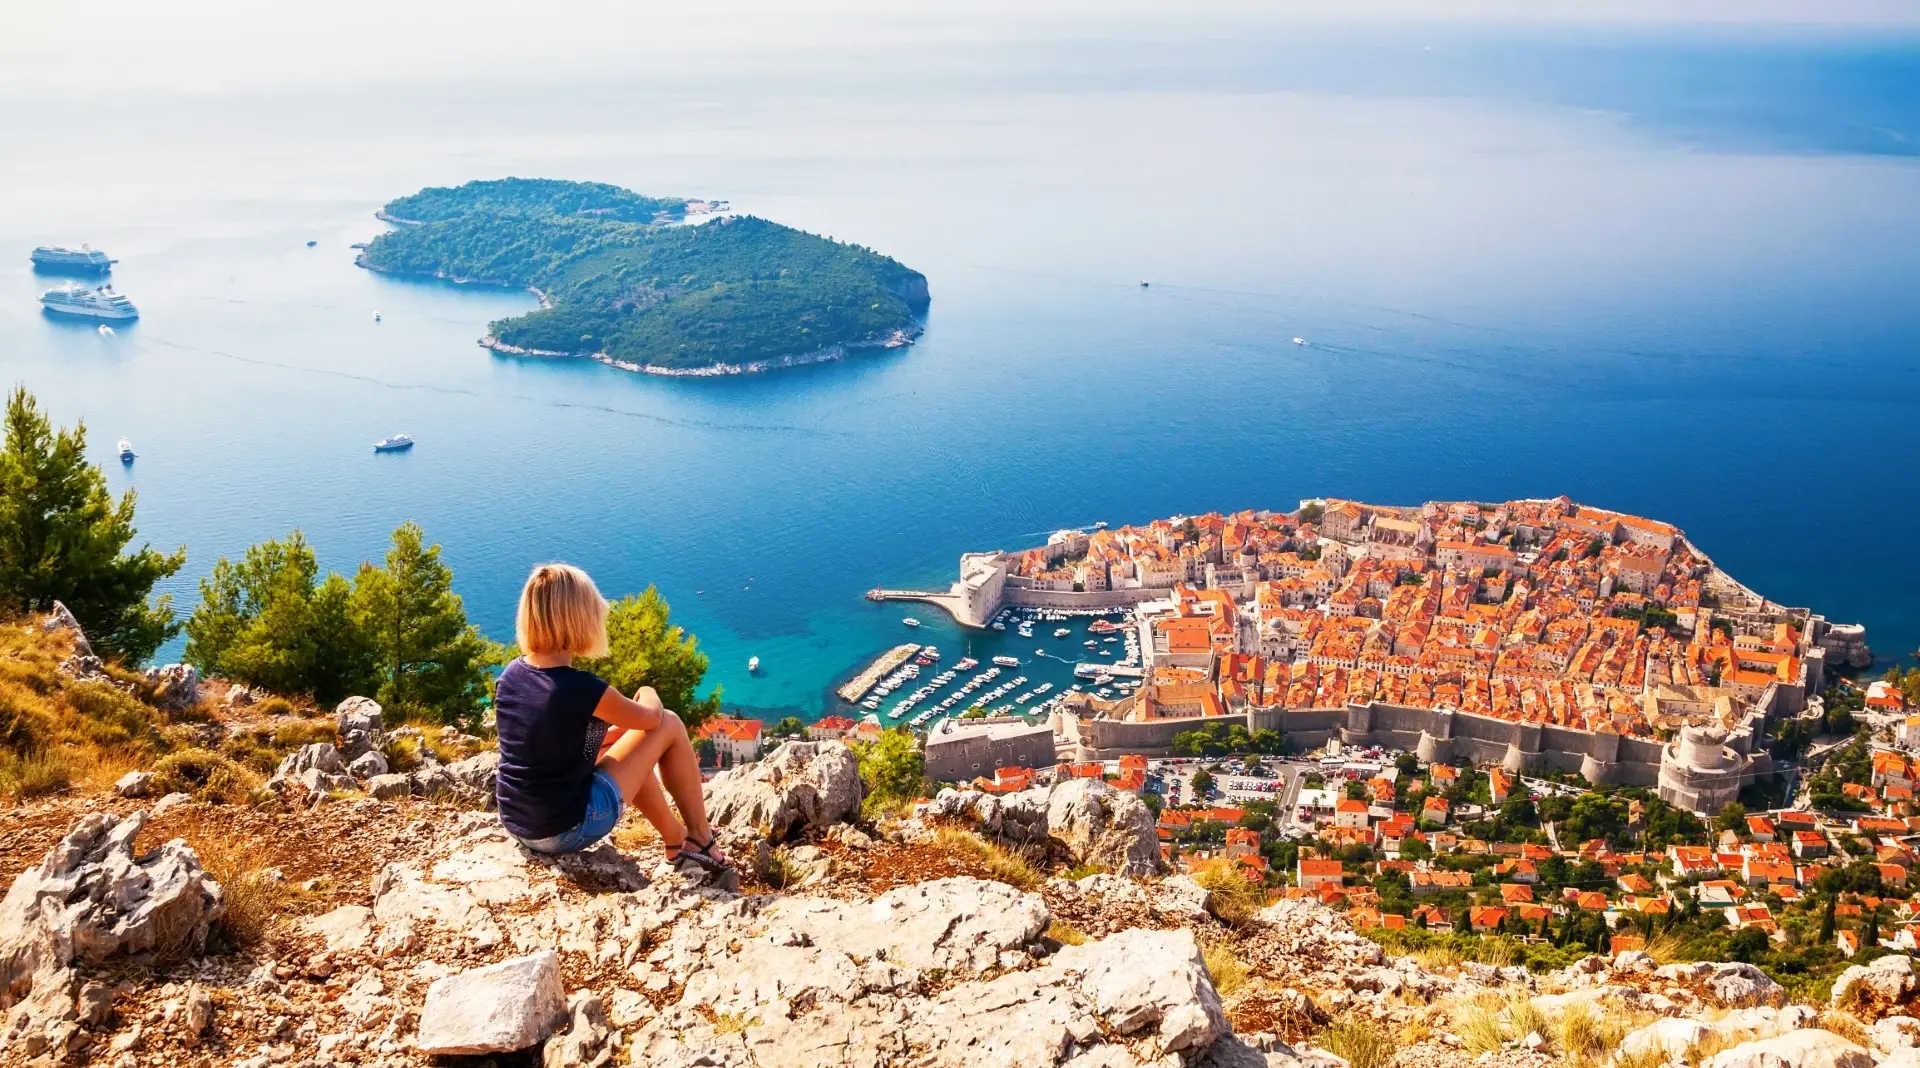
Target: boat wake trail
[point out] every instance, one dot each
(459, 391)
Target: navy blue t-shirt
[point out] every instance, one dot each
(548, 740)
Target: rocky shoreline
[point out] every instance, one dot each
(899, 339)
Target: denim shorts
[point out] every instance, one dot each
(604, 805)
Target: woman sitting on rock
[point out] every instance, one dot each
(573, 751)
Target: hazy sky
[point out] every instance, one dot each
(215, 44)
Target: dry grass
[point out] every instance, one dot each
(1664, 949)
(1065, 933)
(999, 863)
(1715, 1042)
(1587, 1037)
(731, 1023)
(1359, 1040)
(56, 732)
(1846, 1026)
(1230, 973)
(1498, 952)
(1479, 1025)
(782, 872)
(1438, 957)
(255, 899)
(206, 775)
(1236, 894)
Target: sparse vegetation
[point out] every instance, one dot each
(1230, 973)
(894, 771)
(1237, 895)
(255, 898)
(1361, 1041)
(207, 776)
(998, 862)
(56, 731)
(1065, 933)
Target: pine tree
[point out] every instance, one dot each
(267, 621)
(1826, 918)
(63, 537)
(1871, 936)
(431, 663)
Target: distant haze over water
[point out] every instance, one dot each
(1669, 270)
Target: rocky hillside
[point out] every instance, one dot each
(345, 911)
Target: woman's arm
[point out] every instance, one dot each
(642, 712)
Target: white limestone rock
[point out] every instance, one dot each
(958, 925)
(1140, 979)
(1869, 989)
(1737, 984)
(586, 1041)
(389, 787)
(170, 802)
(134, 784)
(358, 714)
(346, 929)
(368, 765)
(1101, 825)
(89, 899)
(176, 687)
(1673, 1036)
(799, 787)
(501, 1008)
(1804, 1048)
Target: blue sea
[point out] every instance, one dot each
(1666, 270)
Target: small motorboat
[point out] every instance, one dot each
(396, 443)
(753, 664)
(376, 317)
(1143, 283)
(105, 330)
(310, 244)
(126, 451)
(911, 622)
(1299, 341)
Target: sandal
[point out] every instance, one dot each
(701, 855)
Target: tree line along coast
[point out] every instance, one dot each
(622, 280)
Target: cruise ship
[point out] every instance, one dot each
(96, 303)
(54, 258)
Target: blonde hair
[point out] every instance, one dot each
(561, 611)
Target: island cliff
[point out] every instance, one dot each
(620, 284)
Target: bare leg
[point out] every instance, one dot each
(652, 804)
(632, 761)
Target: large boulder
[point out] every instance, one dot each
(1670, 1036)
(176, 687)
(316, 766)
(501, 1008)
(955, 925)
(1740, 985)
(1090, 821)
(1109, 828)
(1804, 1048)
(475, 776)
(89, 899)
(1870, 990)
(358, 714)
(799, 787)
(1139, 980)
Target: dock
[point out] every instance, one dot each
(857, 687)
(947, 601)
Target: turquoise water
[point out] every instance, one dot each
(1664, 273)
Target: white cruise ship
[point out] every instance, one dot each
(95, 303)
(55, 258)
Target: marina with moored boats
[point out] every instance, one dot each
(1080, 651)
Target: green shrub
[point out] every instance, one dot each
(206, 775)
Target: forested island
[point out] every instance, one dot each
(620, 282)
